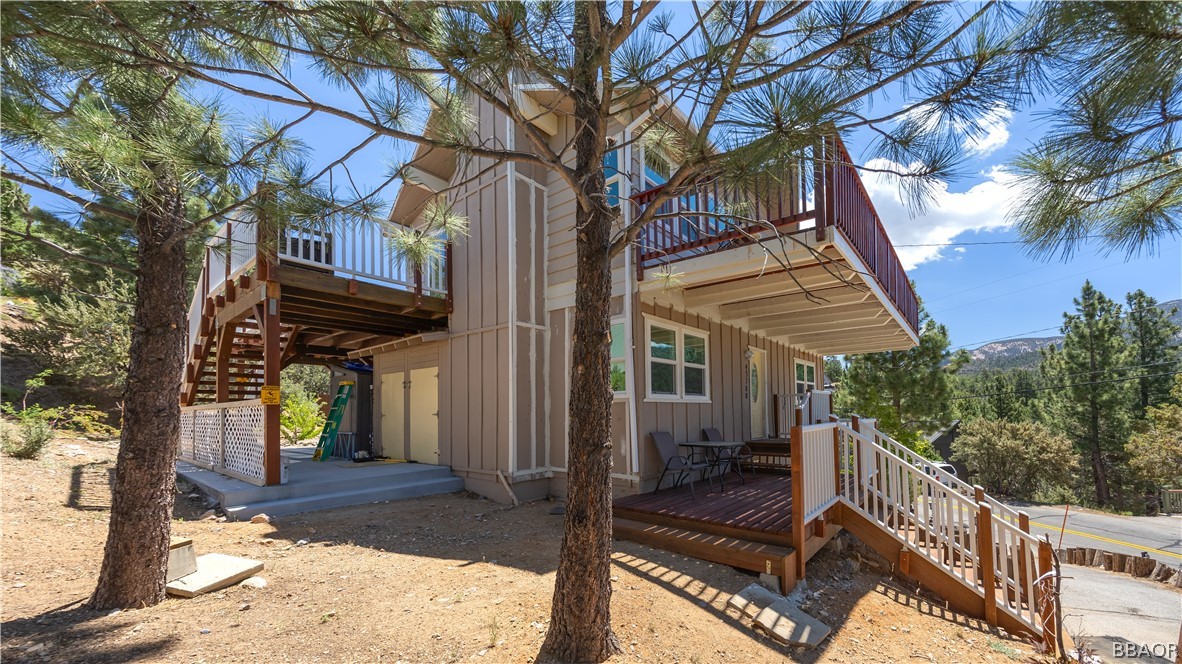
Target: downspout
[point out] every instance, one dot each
(511, 198)
(630, 288)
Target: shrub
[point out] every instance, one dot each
(1017, 459)
(33, 433)
(301, 416)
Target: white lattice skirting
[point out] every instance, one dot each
(226, 437)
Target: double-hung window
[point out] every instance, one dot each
(678, 362)
(806, 377)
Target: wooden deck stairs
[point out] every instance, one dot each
(954, 539)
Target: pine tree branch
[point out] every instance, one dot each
(49, 244)
(44, 185)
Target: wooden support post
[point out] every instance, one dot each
(798, 417)
(1047, 599)
(796, 453)
(776, 416)
(222, 363)
(985, 575)
(272, 363)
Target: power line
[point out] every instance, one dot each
(1062, 387)
(1099, 371)
(1031, 287)
(1019, 335)
(970, 244)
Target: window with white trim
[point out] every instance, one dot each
(806, 377)
(678, 362)
(619, 375)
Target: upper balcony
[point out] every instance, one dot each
(803, 257)
(339, 276)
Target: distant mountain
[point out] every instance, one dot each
(1024, 353)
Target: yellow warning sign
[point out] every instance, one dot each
(270, 395)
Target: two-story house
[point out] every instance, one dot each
(463, 365)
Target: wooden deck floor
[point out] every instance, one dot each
(760, 510)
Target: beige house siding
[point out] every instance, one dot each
(729, 408)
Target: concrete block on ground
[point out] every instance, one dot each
(780, 617)
(786, 623)
(753, 599)
(182, 558)
(214, 572)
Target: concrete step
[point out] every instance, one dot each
(345, 498)
(305, 484)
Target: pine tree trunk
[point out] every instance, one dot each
(580, 618)
(136, 555)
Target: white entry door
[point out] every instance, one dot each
(424, 415)
(394, 414)
(757, 378)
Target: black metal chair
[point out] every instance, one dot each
(734, 459)
(683, 465)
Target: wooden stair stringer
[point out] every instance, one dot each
(923, 570)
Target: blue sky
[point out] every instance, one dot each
(983, 292)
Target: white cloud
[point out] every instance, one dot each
(993, 132)
(984, 207)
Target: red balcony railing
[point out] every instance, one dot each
(709, 217)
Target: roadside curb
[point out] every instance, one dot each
(1142, 567)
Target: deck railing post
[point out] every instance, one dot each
(796, 454)
(1047, 598)
(418, 284)
(985, 572)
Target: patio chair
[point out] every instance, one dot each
(683, 465)
(734, 459)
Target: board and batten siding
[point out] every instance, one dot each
(729, 408)
(474, 381)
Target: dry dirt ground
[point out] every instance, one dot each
(443, 579)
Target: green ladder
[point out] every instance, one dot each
(328, 437)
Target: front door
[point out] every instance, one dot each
(758, 389)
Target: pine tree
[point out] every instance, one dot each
(761, 84)
(1091, 398)
(89, 124)
(1153, 338)
(910, 391)
(1110, 166)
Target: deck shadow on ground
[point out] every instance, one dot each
(68, 635)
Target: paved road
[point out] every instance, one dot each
(1160, 536)
(1101, 609)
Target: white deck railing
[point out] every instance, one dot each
(932, 516)
(361, 250)
(819, 471)
(358, 250)
(226, 437)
